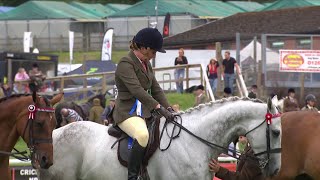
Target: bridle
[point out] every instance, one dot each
(268, 120)
(33, 109)
(262, 163)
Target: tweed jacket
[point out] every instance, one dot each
(134, 82)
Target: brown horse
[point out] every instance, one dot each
(300, 146)
(32, 118)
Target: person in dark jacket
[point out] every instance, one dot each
(139, 94)
(253, 92)
(179, 73)
(247, 168)
(290, 103)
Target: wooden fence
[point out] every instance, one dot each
(106, 82)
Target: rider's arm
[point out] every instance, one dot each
(158, 94)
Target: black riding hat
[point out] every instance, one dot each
(150, 37)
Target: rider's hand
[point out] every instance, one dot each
(165, 113)
(214, 166)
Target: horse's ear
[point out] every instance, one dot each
(56, 99)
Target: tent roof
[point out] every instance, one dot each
(47, 10)
(4, 9)
(201, 8)
(247, 5)
(283, 4)
(95, 9)
(283, 21)
(117, 7)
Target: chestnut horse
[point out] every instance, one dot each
(300, 145)
(32, 118)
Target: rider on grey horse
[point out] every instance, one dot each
(139, 94)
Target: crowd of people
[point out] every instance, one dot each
(20, 87)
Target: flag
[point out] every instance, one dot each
(166, 25)
(107, 45)
(26, 42)
(71, 42)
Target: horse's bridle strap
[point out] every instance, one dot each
(271, 151)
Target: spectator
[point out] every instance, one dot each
(179, 73)
(228, 65)
(227, 92)
(96, 111)
(310, 103)
(200, 95)
(36, 77)
(247, 168)
(6, 90)
(107, 110)
(253, 92)
(2, 95)
(212, 73)
(20, 87)
(290, 103)
(176, 107)
(69, 116)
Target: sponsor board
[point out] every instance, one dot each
(299, 61)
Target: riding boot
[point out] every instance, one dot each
(135, 160)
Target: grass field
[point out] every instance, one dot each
(79, 57)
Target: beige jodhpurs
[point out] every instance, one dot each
(136, 128)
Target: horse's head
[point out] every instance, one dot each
(266, 141)
(36, 129)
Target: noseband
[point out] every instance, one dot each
(268, 119)
(32, 114)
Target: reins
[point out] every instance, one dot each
(181, 127)
(268, 151)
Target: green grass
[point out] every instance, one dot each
(21, 146)
(185, 101)
(79, 57)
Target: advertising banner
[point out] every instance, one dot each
(299, 61)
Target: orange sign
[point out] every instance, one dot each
(293, 60)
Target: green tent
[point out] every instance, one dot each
(200, 8)
(247, 5)
(283, 4)
(95, 9)
(36, 10)
(117, 7)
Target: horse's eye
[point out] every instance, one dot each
(275, 132)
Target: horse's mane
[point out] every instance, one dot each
(219, 102)
(13, 96)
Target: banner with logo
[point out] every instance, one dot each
(107, 45)
(299, 61)
(27, 42)
(71, 42)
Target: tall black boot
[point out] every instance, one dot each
(135, 160)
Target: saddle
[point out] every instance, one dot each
(123, 140)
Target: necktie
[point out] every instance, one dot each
(145, 66)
